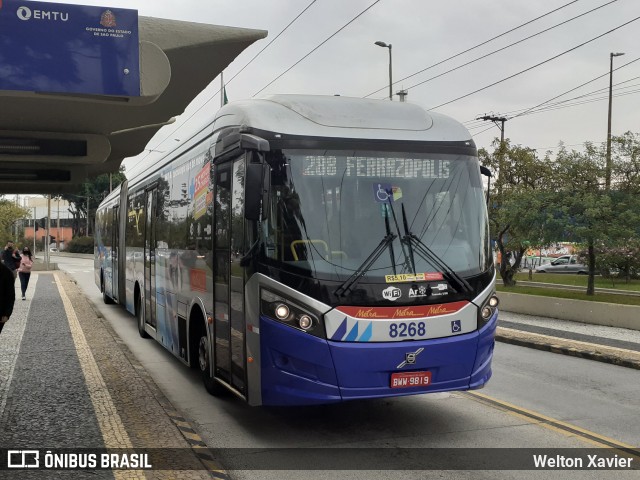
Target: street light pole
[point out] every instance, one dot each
(382, 44)
(607, 180)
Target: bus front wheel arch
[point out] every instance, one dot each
(201, 352)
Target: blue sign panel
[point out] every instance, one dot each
(60, 48)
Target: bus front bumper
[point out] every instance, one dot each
(300, 369)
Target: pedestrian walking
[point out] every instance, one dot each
(24, 270)
(7, 294)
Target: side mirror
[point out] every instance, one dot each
(487, 173)
(253, 191)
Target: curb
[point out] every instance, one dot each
(574, 348)
(184, 425)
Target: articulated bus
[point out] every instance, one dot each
(307, 249)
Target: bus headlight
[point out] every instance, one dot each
(290, 313)
(488, 309)
(305, 322)
(282, 312)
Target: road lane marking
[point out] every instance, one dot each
(113, 432)
(556, 425)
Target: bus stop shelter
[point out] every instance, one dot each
(51, 142)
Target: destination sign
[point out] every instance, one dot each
(385, 167)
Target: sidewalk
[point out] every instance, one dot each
(619, 346)
(68, 382)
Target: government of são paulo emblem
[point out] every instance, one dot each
(108, 19)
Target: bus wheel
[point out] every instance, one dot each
(140, 314)
(212, 386)
(105, 298)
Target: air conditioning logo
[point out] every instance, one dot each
(391, 293)
(25, 13)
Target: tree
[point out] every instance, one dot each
(90, 194)
(10, 213)
(518, 199)
(585, 211)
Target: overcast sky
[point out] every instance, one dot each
(425, 32)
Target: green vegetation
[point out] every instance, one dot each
(574, 196)
(579, 281)
(80, 245)
(571, 294)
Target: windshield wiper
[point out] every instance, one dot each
(425, 252)
(350, 282)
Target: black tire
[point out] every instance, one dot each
(140, 318)
(210, 384)
(105, 298)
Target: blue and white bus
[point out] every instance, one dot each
(309, 249)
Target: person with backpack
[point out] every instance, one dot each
(24, 270)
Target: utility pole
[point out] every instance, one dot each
(607, 180)
(499, 122)
(46, 253)
(86, 234)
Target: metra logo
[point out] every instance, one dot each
(391, 293)
(25, 13)
(439, 310)
(369, 313)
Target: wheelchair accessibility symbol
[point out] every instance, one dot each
(456, 326)
(383, 192)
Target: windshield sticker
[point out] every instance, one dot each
(391, 293)
(385, 193)
(382, 192)
(420, 291)
(410, 277)
(381, 167)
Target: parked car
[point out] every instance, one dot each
(563, 264)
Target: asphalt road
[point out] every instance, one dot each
(535, 400)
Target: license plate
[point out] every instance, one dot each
(410, 379)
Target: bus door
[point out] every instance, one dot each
(115, 239)
(150, 258)
(229, 244)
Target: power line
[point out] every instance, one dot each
(474, 47)
(508, 46)
(318, 46)
(536, 65)
(563, 104)
(229, 81)
(269, 44)
(586, 83)
(479, 123)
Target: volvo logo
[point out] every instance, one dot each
(410, 358)
(24, 13)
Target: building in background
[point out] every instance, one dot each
(61, 220)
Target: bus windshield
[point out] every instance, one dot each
(329, 210)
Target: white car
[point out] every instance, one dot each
(564, 264)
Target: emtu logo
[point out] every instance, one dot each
(24, 13)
